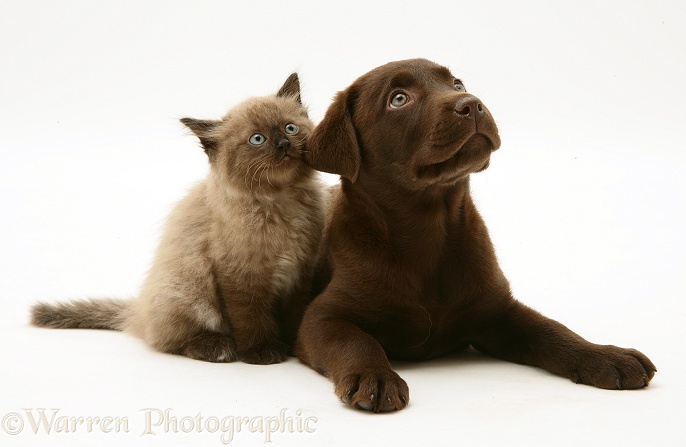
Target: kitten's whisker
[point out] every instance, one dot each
(252, 177)
(268, 168)
(256, 164)
(247, 172)
(246, 176)
(255, 173)
(259, 179)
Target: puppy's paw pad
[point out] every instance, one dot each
(211, 347)
(380, 391)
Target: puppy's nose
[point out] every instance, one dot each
(283, 144)
(469, 106)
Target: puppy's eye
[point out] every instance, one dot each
(399, 100)
(257, 139)
(459, 86)
(291, 129)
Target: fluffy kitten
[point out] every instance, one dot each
(231, 276)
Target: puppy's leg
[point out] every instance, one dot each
(352, 359)
(523, 335)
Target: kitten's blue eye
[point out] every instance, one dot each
(399, 100)
(291, 129)
(257, 139)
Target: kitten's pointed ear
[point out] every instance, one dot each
(204, 130)
(333, 146)
(291, 88)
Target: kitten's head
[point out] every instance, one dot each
(259, 144)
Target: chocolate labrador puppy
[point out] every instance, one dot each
(408, 270)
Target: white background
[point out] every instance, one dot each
(585, 202)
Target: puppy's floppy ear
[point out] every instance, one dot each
(205, 131)
(333, 146)
(291, 88)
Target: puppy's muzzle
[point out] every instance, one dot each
(470, 107)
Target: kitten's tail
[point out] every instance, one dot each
(82, 314)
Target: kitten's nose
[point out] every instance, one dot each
(283, 144)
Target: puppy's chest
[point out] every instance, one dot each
(428, 312)
(418, 330)
(269, 243)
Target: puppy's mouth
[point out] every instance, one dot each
(472, 156)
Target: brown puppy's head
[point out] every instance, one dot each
(410, 123)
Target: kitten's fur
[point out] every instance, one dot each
(233, 270)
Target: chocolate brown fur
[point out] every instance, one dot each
(409, 271)
(233, 271)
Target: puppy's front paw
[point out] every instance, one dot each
(211, 347)
(377, 390)
(614, 368)
(267, 354)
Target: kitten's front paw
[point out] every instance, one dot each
(614, 368)
(380, 391)
(211, 347)
(267, 354)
